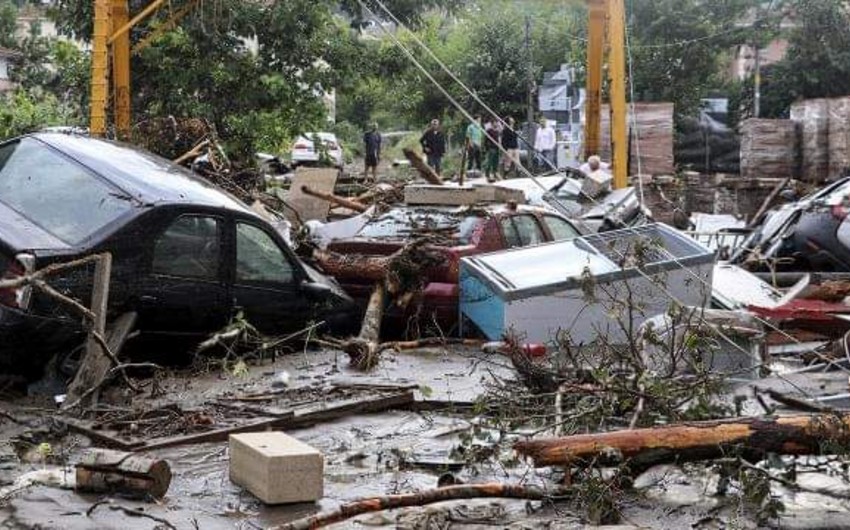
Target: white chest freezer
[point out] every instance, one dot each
(594, 286)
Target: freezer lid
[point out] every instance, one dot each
(539, 266)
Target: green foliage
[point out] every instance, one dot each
(25, 111)
(818, 60)
(8, 14)
(678, 47)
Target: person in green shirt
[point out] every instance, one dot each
(474, 139)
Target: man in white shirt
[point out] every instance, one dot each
(544, 145)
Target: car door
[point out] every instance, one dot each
(184, 289)
(267, 280)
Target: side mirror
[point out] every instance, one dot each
(316, 289)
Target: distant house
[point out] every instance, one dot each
(7, 58)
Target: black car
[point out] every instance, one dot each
(186, 256)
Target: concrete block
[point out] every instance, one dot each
(276, 468)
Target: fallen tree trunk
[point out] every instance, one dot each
(423, 498)
(126, 474)
(749, 437)
(363, 349)
(373, 268)
(426, 171)
(335, 199)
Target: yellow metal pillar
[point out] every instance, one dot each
(617, 73)
(595, 48)
(100, 67)
(121, 68)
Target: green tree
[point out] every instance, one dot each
(8, 24)
(679, 47)
(817, 63)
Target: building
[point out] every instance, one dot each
(7, 59)
(562, 100)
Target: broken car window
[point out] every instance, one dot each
(511, 237)
(401, 223)
(528, 229)
(189, 248)
(55, 193)
(559, 228)
(259, 258)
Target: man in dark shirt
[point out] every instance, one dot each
(372, 143)
(510, 143)
(433, 144)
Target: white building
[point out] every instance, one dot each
(7, 58)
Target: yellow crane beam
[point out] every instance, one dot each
(121, 69)
(100, 66)
(596, 19)
(617, 77)
(111, 39)
(607, 23)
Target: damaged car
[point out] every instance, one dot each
(454, 232)
(812, 233)
(186, 255)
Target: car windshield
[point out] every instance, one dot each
(56, 193)
(405, 223)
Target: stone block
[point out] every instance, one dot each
(276, 468)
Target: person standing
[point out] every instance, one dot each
(372, 145)
(544, 144)
(433, 143)
(510, 143)
(493, 138)
(474, 139)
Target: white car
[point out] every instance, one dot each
(304, 152)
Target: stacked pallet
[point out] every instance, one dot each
(839, 138)
(652, 137)
(813, 117)
(769, 148)
(651, 134)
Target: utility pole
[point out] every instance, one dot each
(529, 79)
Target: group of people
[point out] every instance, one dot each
(491, 147)
(484, 145)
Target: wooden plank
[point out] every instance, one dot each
(309, 208)
(103, 438)
(292, 419)
(96, 363)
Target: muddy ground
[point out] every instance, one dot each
(366, 455)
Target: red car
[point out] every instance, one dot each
(468, 231)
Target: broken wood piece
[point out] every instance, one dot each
(423, 498)
(425, 171)
(642, 448)
(96, 361)
(429, 342)
(351, 204)
(363, 349)
(769, 201)
(126, 474)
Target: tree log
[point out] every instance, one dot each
(335, 199)
(373, 268)
(688, 442)
(363, 349)
(390, 502)
(426, 171)
(126, 474)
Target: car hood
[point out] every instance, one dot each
(18, 234)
